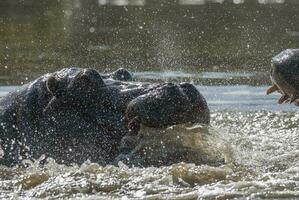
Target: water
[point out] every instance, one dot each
(256, 136)
(222, 46)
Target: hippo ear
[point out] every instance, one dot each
(122, 75)
(53, 85)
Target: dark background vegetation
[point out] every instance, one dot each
(143, 35)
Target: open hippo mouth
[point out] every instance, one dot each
(285, 76)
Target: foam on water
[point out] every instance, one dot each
(264, 164)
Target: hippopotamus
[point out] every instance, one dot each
(284, 73)
(79, 114)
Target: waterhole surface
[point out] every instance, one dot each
(257, 138)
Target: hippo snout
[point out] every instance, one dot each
(168, 105)
(285, 76)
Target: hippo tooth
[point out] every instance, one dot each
(283, 99)
(272, 89)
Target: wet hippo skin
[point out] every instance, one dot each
(284, 76)
(77, 114)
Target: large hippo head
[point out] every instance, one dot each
(78, 114)
(285, 76)
(159, 105)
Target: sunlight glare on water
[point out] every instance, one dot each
(262, 157)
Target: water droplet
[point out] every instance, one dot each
(92, 29)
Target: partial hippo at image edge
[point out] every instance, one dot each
(284, 76)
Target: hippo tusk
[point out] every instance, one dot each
(272, 89)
